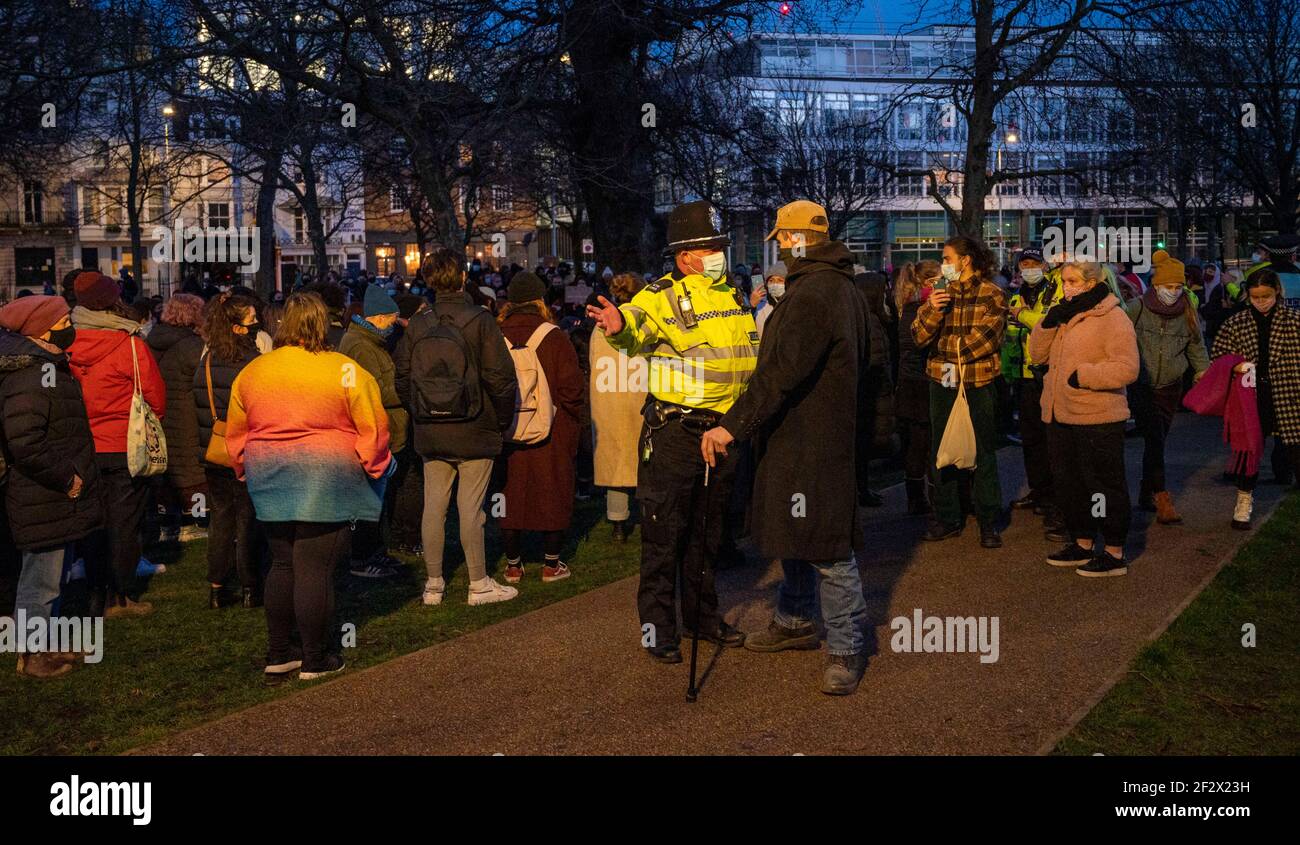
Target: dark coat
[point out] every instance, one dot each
(481, 436)
(801, 409)
(366, 347)
(223, 377)
(540, 477)
(912, 396)
(46, 441)
(177, 351)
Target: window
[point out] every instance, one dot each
(153, 209)
(914, 185)
(299, 226)
(1048, 186)
(218, 215)
(396, 201)
(502, 198)
(33, 201)
(911, 120)
(113, 208)
(89, 206)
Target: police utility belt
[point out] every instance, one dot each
(658, 413)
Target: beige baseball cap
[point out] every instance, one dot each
(800, 214)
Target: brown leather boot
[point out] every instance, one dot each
(42, 665)
(1165, 513)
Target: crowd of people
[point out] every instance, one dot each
(335, 423)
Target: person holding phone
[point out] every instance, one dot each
(962, 324)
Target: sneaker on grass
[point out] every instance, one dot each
(189, 533)
(558, 572)
(331, 665)
(434, 589)
(376, 566)
(490, 592)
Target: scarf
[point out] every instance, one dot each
(1221, 392)
(366, 324)
(84, 318)
(1152, 301)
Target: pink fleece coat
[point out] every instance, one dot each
(1101, 346)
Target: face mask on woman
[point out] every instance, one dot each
(1168, 295)
(63, 337)
(775, 290)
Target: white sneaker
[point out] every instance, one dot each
(492, 593)
(1241, 513)
(434, 588)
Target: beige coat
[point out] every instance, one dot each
(618, 390)
(1101, 346)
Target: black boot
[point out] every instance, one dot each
(252, 598)
(620, 531)
(917, 504)
(1146, 497)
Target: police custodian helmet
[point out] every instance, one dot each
(695, 225)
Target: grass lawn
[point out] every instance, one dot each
(185, 664)
(1197, 689)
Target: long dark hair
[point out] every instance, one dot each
(224, 314)
(981, 260)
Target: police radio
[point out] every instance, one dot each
(687, 308)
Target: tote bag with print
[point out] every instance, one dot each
(146, 445)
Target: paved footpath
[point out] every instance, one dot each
(569, 678)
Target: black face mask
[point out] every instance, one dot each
(63, 337)
(253, 329)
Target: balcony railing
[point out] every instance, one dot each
(21, 219)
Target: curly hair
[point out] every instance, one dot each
(981, 260)
(184, 310)
(624, 286)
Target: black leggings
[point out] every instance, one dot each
(300, 588)
(513, 538)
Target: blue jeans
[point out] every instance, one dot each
(844, 610)
(38, 583)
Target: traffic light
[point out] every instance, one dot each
(1160, 244)
(784, 8)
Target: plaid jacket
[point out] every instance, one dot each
(1240, 334)
(967, 333)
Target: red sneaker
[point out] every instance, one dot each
(555, 573)
(515, 574)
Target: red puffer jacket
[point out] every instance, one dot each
(101, 361)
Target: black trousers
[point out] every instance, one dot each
(1154, 409)
(1033, 439)
(399, 521)
(674, 504)
(113, 553)
(1091, 488)
(300, 588)
(234, 544)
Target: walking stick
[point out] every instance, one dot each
(692, 692)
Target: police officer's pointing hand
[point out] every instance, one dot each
(608, 318)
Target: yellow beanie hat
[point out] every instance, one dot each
(1168, 270)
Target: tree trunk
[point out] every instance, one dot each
(265, 221)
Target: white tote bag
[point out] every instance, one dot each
(957, 448)
(146, 445)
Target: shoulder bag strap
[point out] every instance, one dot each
(135, 364)
(212, 405)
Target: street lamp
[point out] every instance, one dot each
(1012, 136)
(167, 111)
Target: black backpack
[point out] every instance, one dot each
(444, 375)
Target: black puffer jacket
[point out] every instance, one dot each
(223, 376)
(177, 351)
(46, 441)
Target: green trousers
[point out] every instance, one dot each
(986, 489)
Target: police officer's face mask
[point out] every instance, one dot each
(1031, 275)
(714, 265)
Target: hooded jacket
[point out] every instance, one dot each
(101, 361)
(46, 441)
(1097, 348)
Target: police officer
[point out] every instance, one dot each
(702, 345)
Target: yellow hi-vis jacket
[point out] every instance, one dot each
(1020, 327)
(706, 366)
